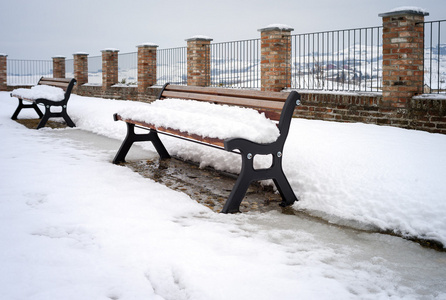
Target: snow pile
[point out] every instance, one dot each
(40, 92)
(205, 119)
(355, 174)
(75, 226)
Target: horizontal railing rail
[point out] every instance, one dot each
(435, 57)
(27, 72)
(340, 60)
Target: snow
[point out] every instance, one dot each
(75, 226)
(200, 37)
(40, 91)
(410, 8)
(279, 26)
(148, 44)
(110, 50)
(219, 121)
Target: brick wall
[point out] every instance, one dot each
(59, 67)
(426, 112)
(109, 67)
(80, 66)
(146, 66)
(198, 61)
(275, 71)
(3, 72)
(403, 54)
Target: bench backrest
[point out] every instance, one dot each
(277, 106)
(270, 103)
(66, 84)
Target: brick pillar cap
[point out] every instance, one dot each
(276, 27)
(110, 50)
(143, 45)
(199, 38)
(3, 54)
(58, 56)
(80, 53)
(405, 10)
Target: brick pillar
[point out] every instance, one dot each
(275, 68)
(199, 61)
(81, 68)
(146, 66)
(403, 55)
(3, 74)
(59, 67)
(109, 67)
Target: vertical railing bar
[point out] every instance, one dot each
(430, 58)
(438, 58)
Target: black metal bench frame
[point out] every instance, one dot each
(246, 148)
(66, 84)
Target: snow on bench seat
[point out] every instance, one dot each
(218, 121)
(40, 92)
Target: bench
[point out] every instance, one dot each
(276, 106)
(49, 92)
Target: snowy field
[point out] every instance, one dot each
(75, 226)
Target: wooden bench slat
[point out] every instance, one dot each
(253, 103)
(261, 95)
(50, 79)
(207, 140)
(55, 84)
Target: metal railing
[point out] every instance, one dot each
(69, 68)
(434, 57)
(128, 68)
(341, 60)
(27, 72)
(171, 66)
(236, 64)
(95, 69)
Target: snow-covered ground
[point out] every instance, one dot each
(75, 226)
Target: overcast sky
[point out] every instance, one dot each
(31, 29)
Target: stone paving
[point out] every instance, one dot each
(207, 186)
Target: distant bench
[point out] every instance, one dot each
(49, 92)
(275, 105)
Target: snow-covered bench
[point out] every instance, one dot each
(49, 92)
(227, 119)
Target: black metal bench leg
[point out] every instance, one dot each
(21, 105)
(238, 192)
(44, 118)
(132, 137)
(67, 118)
(285, 190)
(17, 111)
(37, 109)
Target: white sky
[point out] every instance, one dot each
(32, 29)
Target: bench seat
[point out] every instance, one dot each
(39, 91)
(220, 121)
